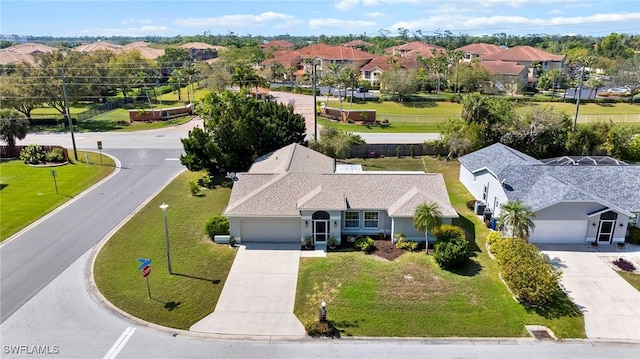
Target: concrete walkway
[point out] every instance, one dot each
(611, 306)
(259, 294)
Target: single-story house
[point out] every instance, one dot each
(575, 199)
(295, 192)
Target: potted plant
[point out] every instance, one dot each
(332, 243)
(232, 242)
(307, 242)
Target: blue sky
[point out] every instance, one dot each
(315, 17)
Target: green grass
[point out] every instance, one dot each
(28, 193)
(632, 278)
(419, 117)
(201, 266)
(376, 298)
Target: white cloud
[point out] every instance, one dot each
(136, 21)
(348, 25)
(466, 23)
(345, 5)
(376, 14)
(554, 12)
(241, 20)
(126, 31)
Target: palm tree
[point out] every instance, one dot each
(178, 77)
(426, 217)
(516, 216)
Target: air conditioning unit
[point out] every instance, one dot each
(479, 207)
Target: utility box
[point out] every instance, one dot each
(479, 207)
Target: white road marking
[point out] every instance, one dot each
(119, 344)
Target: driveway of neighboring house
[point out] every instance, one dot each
(611, 306)
(259, 294)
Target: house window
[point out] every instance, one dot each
(485, 193)
(352, 219)
(371, 219)
(367, 74)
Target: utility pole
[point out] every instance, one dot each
(575, 119)
(68, 114)
(315, 110)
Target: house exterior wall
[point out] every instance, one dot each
(475, 184)
(384, 224)
(405, 226)
(335, 224)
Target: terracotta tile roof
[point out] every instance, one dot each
(9, 57)
(357, 43)
(148, 52)
(30, 48)
(281, 44)
(302, 179)
(502, 67)
(481, 49)
(98, 45)
(287, 59)
(135, 45)
(381, 62)
(416, 48)
(327, 52)
(525, 54)
(198, 45)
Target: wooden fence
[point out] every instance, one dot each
(392, 150)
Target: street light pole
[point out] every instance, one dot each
(164, 207)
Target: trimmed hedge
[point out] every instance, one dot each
(634, 235)
(452, 248)
(531, 278)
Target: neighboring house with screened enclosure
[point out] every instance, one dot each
(295, 193)
(575, 199)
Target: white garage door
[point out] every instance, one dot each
(275, 230)
(559, 232)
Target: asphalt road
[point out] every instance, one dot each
(33, 258)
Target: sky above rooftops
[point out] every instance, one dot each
(315, 17)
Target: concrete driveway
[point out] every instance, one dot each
(258, 297)
(611, 306)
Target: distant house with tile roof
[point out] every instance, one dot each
(507, 76)
(527, 56)
(378, 65)
(276, 44)
(358, 44)
(98, 46)
(414, 49)
(478, 51)
(27, 52)
(574, 199)
(201, 51)
(295, 192)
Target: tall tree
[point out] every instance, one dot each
(239, 129)
(21, 89)
(426, 217)
(627, 73)
(516, 217)
(12, 128)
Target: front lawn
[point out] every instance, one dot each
(200, 267)
(412, 296)
(28, 193)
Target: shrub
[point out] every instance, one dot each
(533, 280)
(624, 264)
(365, 244)
(55, 155)
(493, 237)
(447, 232)
(33, 154)
(194, 187)
(217, 225)
(402, 243)
(471, 205)
(452, 253)
(232, 242)
(634, 235)
(205, 181)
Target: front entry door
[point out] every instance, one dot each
(605, 231)
(320, 230)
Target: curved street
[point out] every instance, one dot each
(49, 310)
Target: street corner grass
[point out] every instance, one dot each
(631, 277)
(413, 296)
(200, 266)
(32, 193)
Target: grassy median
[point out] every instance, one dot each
(200, 267)
(28, 193)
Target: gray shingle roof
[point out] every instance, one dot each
(539, 185)
(496, 158)
(287, 193)
(293, 158)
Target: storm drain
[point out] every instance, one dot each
(540, 332)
